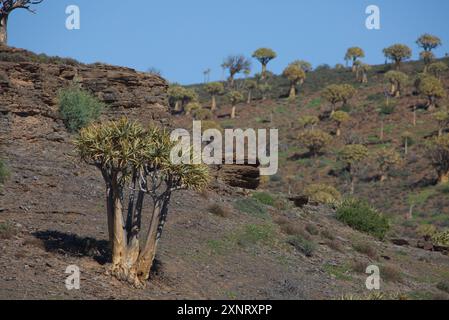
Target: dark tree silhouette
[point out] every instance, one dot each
(8, 6)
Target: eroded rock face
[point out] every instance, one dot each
(45, 172)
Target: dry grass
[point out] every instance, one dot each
(391, 273)
(292, 229)
(220, 210)
(7, 231)
(366, 249)
(334, 245)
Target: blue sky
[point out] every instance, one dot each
(184, 37)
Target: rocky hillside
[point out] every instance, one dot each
(226, 242)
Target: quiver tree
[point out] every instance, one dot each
(295, 74)
(442, 118)
(387, 159)
(336, 93)
(176, 96)
(235, 65)
(427, 57)
(437, 150)
(398, 80)
(135, 163)
(353, 155)
(264, 89)
(407, 138)
(234, 98)
(264, 56)
(398, 53)
(8, 6)
(428, 42)
(314, 140)
(340, 117)
(363, 70)
(304, 65)
(308, 122)
(214, 89)
(353, 54)
(431, 88)
(250, 86)
(192, 107)
(437, 69)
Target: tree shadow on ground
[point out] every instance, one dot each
(305, 155)
(72, 245)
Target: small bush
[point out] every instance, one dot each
(78, 108)
(264, 198)
(359, 266)
(390, 274)
(4, 173)
(253, 234)
(366, 249)
(202, 114)
(443, 188)
(312, 229)
(327, 234)
(323, 194)
(302, 245)
(360, 216)
(334, 245)
(7, 231)
(252, 207)
(219, 210)
(443, 286)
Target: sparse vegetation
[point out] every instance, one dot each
(219, 210)
(302, 245)
(4, 172)
(7, 230)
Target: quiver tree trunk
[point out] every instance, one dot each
(248, 101)
(264, 71)
(443, 177)
(338, 133)
(431, 104)
(214, 103)
(364, 77)
(4, 29)
(233, 113)
(292, 93)
(177, 106)
(132, 254)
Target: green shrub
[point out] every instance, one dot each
(360, 216)
(252, 207)
(4, 173)
(264, 198)
(443, 188)
(302, 245)
(78, 108)
(253, 234)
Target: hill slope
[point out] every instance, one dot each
(222, 244)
